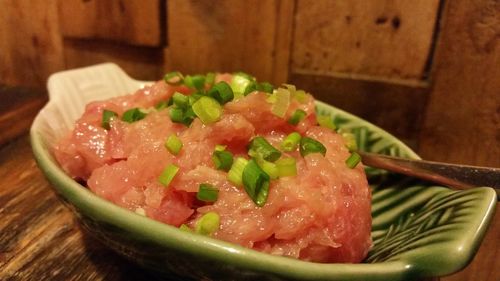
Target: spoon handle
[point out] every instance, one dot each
(452, 175)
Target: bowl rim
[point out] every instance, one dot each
(169, 236)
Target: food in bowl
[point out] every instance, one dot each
(226, 156)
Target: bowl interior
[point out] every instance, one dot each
(418, 229)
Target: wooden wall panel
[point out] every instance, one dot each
(386, 40)
(230, 35)
(462, 122)
(136, 22)
(30, 44)
(396, 108)
(139, 62)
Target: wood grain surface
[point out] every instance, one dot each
(135, 22)
(250, 36)
(387, 39)
(30, 45)
(462, 122)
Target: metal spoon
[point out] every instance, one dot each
(452, 175)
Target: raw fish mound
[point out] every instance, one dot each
(321, 214)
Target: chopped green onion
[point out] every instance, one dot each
(235, 174)
(168, 174)
(286, 167)
(261, 87)
(185, 227)
(269, 168)
(195, 82)
(173, 144)
(265, 87)
(271, 99)
(173, 78)
(251, 87)
(161, 105)
(210, 79)
(208, 224)
(207, 193)
(240, 82)
(207, 109)
(297, 116)
(223, 160)
(325, 121)
(300, 96)
(256, 183)
(132, 115)
(350, 141)
(106, 117)
(260, 147)
(290, 87)
(353, 160)
(309, 145)
(280, 107)
(176, 114)
(189, 114)
(220, 147)
(180, 100)
(222, 92)
(194, 97)
(291, 142)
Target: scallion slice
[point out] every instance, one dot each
(239, 83)
(291, 142)
(173, 144)
(301, 96)
(207, 224)
(207, 193)
(287, 167)
(259, 147)
(235, 174)
(210, 79)
(176, 114)
(194, 97)
(220, 147)
(207, 109)
(265, 87)
(350, 141)
(309, 145)
(325, 121)
(280, 106)
(168, 174)
(290, 87)
(107, 115)
(297, 116)
(353, 160)
(269, 168)
(251, 87)
(173, 78)
(223, 160)
(256, 183)
(195, 82)
(133, 114)
(222, 92)
(180, 100)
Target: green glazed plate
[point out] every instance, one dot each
(419, 230)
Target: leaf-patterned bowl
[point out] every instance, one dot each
(419, 230)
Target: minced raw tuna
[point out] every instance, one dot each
(321, 214)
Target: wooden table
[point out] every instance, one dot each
(39, 238)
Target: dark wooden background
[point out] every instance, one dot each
(427, 71)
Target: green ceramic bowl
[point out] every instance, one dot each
(419, 230)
